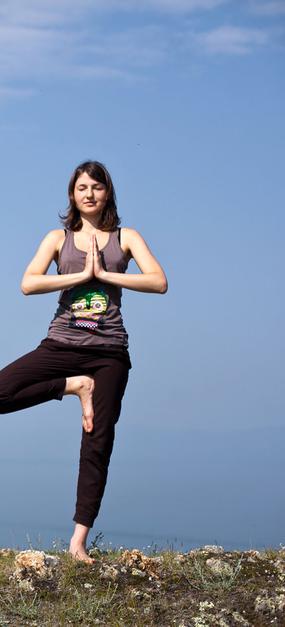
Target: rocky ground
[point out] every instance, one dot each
(204, 587)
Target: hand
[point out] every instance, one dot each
(88, 271)
(98, 269)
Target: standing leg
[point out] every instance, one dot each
(96, 449)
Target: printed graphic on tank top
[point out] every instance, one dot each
(88, 309)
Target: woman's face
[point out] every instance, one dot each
(90, 196)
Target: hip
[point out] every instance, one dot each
(103, 350)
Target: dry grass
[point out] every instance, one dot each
(206, 587)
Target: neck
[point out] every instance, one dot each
(90, 225)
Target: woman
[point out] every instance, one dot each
(86, 349)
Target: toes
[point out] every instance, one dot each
(87, 423)
(83, 558)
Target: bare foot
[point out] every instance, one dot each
(78, 552)
(83, 386)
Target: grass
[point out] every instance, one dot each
(202, 588)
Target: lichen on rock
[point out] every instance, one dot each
(35, 569)
(136, 560)
(273, 604)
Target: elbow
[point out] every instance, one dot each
(163, 287)
(25, 289)
(27, 284)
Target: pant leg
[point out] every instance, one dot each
(96, 447)
(34, 378)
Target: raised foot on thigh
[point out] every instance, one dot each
(83, 386)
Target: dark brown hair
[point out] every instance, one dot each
(109, 218)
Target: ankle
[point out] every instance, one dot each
(80, 534)
(73, 385)
(77, 542)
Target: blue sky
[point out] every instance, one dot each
(184, 103)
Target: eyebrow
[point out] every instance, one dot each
(85, 184)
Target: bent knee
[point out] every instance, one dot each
(5, 401)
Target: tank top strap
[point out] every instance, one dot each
(114, 239)
(115, 235)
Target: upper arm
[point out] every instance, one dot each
(141, 253)
(45, 253)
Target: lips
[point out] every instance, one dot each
(84, 324)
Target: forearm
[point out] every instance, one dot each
(144, 282)
(43, 283)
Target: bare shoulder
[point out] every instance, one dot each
(56, 234)
(56, 238)
(132, 236)
(52, 239)
(128, 238)
(128, 230)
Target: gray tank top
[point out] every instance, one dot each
(89, 314)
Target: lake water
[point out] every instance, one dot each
(41, 537)
(185, 491)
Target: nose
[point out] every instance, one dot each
(89, 192)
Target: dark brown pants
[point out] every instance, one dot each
(40, 376)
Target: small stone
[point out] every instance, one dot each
(204, 605)
(252, 555)
(138, 573)
(214, 548)
(180, 558)
(240, 619)
(6, 551)
(147, 610)
(108, 572)
(135, 559)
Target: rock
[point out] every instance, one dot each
(280, 566)
(269, 603)
(138, 573)
(252, 555)
(180, 558)
(108, 572)
(35, 569)
(137, 561)
(225, 617)
(6, 552)
(207, 548)
(213, 548)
